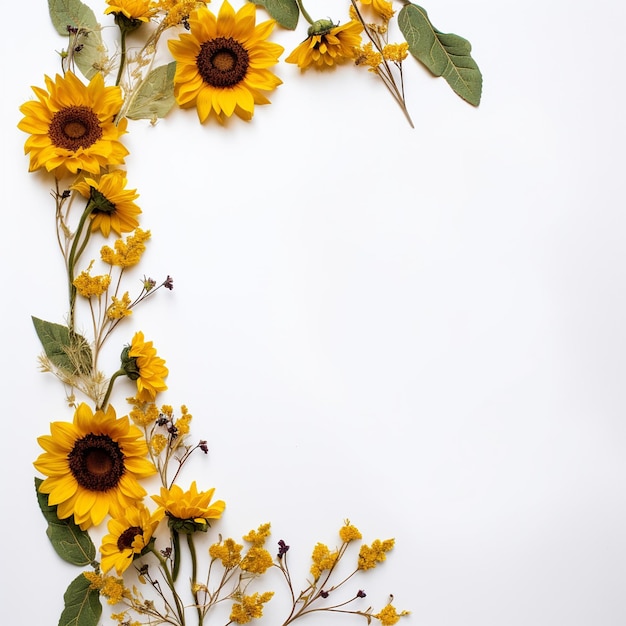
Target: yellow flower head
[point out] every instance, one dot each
(222, 64)
(127, 253)
(112, 205)
(327, 45)
(189, 510)
(89, 286)
(323, 559)
(382, 8)
(258, 537)
(119, 308)
(93, 465)
(396, 52)
(178, 11)
(72, 127)
(349, 533)
(141, 363)
(388, 616)
(370, 556)
(138, 10)
(249, 607)
(228, 552)
(144, 415)
(110, 587)
(129, 534)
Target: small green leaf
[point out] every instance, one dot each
(155, 97)
(285, 12)
(82, 604)
(443, 54)
(70, 542)
(73, 13)
(69, 352)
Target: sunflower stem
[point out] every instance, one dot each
(170, 583)
(194, 572)
(104, 403)
(123, 33)
(176, 549)
(305, 15)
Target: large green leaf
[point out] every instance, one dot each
(69, 352)
(70, 542)
(285, 12)
(89, 50)
(443, 54)
(82, 604)
(155, 97)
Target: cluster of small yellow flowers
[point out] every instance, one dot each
(110, 587)
(249, 607)
(120, 307)
(177, 11)
(349, 533)
(323, 559)
(259, 536)
(256, 561)
(88, 286)
(388, 616)
(127, 253)
(366, 55)
(369, 556)
(382, 8)
(182, 423)
(158, 443)
(228, 552)
(144, 415)
(396, 52)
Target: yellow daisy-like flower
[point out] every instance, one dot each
(72, 127)
(128, 535)
(141, 363)
(93, 465)
(139, 10)
(189, 510)
(222, 64)
(112, 205)
(327, 45)
(382, 8)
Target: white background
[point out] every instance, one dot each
(421, 330)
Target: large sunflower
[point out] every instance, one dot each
(112, 204)
(327, 45)
(72, 127)
(93, 465)
(129, 534)
(222, 63)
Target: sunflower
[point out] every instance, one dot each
(222, 63)
(71, 126)
(189, 510)
(141, 363)
(382, 8)
(112, 204)
(327, 45)
(93, 465)
(135, 10)
(129, 534)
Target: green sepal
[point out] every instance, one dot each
(75, 14)
(155, 97)
(285, 12)
(70, 542)
(443, 54)
(68, 351)
(82, 604)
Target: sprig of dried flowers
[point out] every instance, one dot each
(96, 465)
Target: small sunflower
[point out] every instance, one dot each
(129, 534)
(189, 510)
(141, 363)
(112, 204)
(93, 465)
(134, 10)
(72, 127)
(327, 45)
(222, 64)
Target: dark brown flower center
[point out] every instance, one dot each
(74, 127)
(96, 462)
(222, 62)
(127, 537)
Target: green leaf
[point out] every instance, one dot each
(443, 54)
(91, 52)
(285, 12)
(82, 604)
(70, 542)
(69, 352)
(155, 97)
